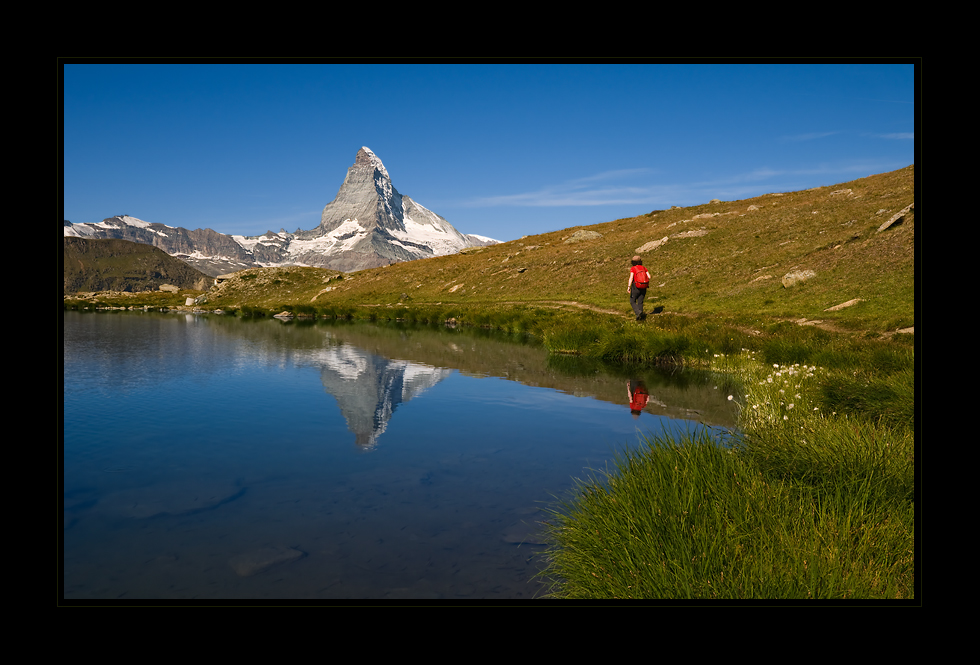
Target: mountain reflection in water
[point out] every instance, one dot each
(369, 388)
(392, 364)
(204, 456)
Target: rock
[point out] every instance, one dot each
(183, 497)
(691, 234)
(897, 218)
(652, 245)
(753, 207)
(579, 236)
(522, 533)
(798, 277)
(256, 561)
(188, 302)
(715, 201)
(283, 315)
(843, 305)
(169, 287)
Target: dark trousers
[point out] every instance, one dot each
(636, 300)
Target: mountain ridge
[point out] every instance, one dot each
(368, 224)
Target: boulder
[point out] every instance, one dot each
(897, 218)
(691, 234)
(579, 236)
(652, 245)
(797, 277)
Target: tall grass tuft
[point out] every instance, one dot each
(806, 504)
(694, 520)
(889, 399)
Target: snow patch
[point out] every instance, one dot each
(133, 221)
(348, 363)
(483, 238)
(439, 239)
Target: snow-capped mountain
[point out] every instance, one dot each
(368, 224)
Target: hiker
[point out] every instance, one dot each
(637, 286)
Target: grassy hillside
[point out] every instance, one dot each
(121, 265)
(724, 259)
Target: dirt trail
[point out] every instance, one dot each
(823, 325)
(580, 305)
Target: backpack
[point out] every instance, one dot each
(641, 278)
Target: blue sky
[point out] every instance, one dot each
(498, 150)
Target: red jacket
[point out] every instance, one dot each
(637, 270)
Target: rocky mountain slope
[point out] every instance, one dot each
(368, 224)
(121, 265)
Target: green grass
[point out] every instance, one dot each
(809, 504)
(691, 519)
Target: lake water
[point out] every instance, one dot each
(209, 457)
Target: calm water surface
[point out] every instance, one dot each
(210, 457)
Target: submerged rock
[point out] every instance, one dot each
(522, 533)
(181, 497)
(256, 561)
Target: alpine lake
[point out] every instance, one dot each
(207, 457)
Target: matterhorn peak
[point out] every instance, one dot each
(365, 157)
(370, 224)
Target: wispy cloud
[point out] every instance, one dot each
(897, 135)
(587, 191)
(811, 136)
(764, 179)
(597, 191)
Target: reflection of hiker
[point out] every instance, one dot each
(637, 286)
(638, 395)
